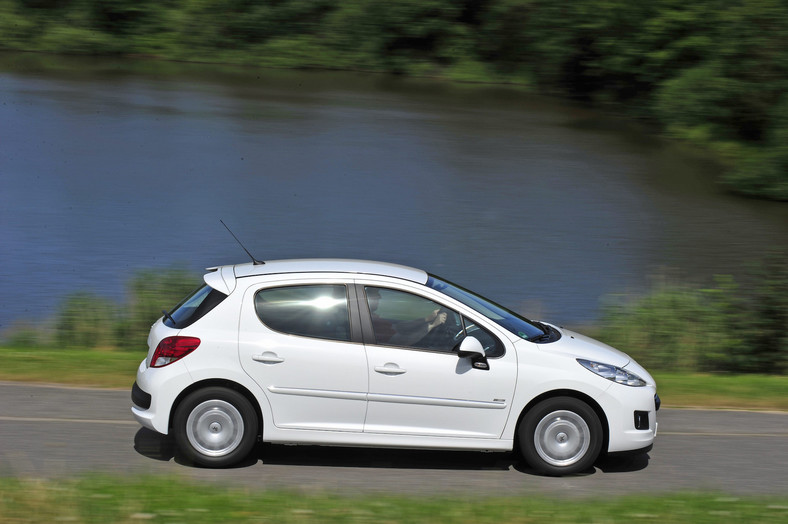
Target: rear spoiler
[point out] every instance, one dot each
(221, 278)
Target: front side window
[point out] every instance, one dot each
(406, 320)
(318, 311)
(492, 346)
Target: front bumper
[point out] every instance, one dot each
(632, 417)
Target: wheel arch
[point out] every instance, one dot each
(218, 382)
(566, 393)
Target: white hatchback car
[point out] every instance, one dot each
(359, 353)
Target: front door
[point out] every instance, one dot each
(417, 384)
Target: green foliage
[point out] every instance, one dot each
(119, 16)
(767, 329)
(395, 36)
(722, 328)
(86, 320)
(750, 391)
(762, 170)
(713, 72)
(674, 328)
(699, 97)
(77, 40)
(26, 334)
(148, 292)
(89, 321)
(16, 30)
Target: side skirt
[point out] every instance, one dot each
(341, 438)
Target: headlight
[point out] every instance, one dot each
(616, 374)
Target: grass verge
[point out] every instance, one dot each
(73, 367)
(161, 499)
(117, 369)
(750, 391)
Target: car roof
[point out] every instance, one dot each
(312, 265)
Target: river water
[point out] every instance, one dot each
(110, 166)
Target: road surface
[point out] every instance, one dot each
(56, 432)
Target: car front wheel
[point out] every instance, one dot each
(560, 436)
(215, 427)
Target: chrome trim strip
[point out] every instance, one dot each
(395, 399)
(320, 393)
(432, 401)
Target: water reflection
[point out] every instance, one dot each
(543, 206)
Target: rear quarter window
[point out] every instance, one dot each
(194, 307)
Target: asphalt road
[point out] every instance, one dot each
(55, 432)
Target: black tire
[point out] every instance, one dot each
(215, 427)
(560, 436)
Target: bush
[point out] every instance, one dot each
(675, 328)
(721, 328)
(90, 321)
(767, 329)
(86, 320)
(700, 96)
(148, 292)
(26, 334)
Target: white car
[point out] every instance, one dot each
(359, 353)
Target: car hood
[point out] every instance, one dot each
(581, 346)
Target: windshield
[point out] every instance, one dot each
(505, 318)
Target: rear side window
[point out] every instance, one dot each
(318, 311)
(194, 307)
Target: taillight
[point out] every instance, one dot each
(171, 349)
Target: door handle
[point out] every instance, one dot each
(390, 369)
(268, 358)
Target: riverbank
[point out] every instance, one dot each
(709, 75)
(680, 333)
(117, 370)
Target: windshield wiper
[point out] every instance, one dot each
(546, 333)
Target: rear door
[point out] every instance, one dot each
(297, 342)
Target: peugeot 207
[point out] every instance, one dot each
(360, 353)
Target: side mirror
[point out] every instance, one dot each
(471, 347)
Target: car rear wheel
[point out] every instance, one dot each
(560, 436)
(216, 427)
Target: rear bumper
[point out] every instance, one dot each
(140, 398)
(144, 418)
(141, 401)
(152, 410)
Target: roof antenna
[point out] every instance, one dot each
(254, 260)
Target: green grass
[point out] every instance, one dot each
(74, 367)
(161, 499)
(117, 369)
(762, 392)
